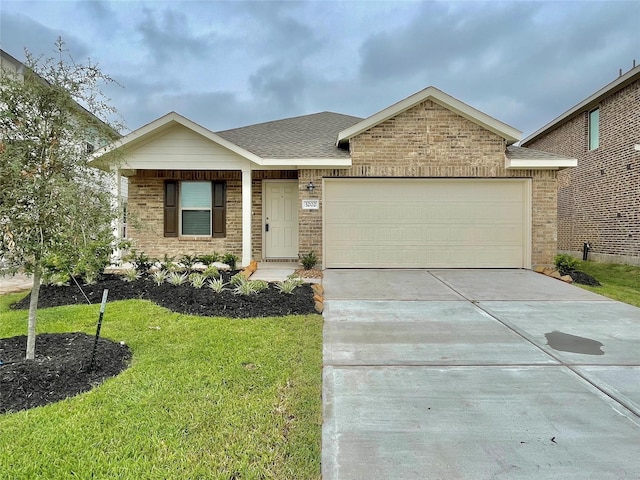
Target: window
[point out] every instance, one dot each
(594, 129)
(194, 209)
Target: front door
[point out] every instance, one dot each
(280, 219)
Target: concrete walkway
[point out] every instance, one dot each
(15, 283)
(477, 374)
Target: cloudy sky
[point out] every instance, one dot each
(226, 64)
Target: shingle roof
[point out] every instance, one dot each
(531, 154)
(307, 136)
(588, 103)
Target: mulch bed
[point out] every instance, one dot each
(180, 298)
(584, 278)
(62, 365)
(62, 368)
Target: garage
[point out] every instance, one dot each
(427, 223)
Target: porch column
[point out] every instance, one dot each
(116, 254)
(246, 216)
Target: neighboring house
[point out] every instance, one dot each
(119, 185)
(599, 200)
(426, 182)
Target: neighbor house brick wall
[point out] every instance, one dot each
(599, 200)
(430, 141)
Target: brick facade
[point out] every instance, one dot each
(145, 207)
(426, 141)
(431, 141)
(599, 200)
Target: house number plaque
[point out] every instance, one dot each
(311, 204)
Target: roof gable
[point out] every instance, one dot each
(588, 103)
(510, 134)
(159, 127)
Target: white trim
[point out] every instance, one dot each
(588, 103)
(163, 123)
(549, 164)
(505, 131)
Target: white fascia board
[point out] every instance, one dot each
(308, 162)
(163, 123)
(507, 132)
(547, 164)
(588, 103)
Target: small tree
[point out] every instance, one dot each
(54, 208)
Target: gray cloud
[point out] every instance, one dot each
(20, 32)
(226, 64)
(167, 35)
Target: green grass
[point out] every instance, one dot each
(620, 282)
(204, 398)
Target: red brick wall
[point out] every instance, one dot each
(599, 200)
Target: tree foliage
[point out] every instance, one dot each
(56, 211)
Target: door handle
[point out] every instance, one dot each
(266, 227)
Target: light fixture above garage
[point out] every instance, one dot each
(310, 187)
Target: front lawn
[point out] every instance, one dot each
(620, 282)
(204, 398)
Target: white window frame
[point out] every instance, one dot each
(182, 209)
(594, 129)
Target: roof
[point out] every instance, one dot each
(529, 159)
(588, 103)
(505, 131)
(307, 136)
(309, 141)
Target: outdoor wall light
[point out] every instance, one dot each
(310, 187)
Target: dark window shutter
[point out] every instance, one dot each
(219, 209)
(170, 208)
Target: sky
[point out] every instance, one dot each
(227, 64)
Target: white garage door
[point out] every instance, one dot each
(426, 223)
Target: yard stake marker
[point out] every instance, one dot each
(95, 343)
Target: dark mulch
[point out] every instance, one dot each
(61, 367)
(584, 278)
(181, 298)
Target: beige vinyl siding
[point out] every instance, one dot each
(180, 147)
(427, 223)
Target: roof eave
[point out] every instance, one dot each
(587, 104)
(544, 164)
(159, 125)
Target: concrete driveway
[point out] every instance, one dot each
(477, 374)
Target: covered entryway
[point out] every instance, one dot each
(280, 219)
(420, 223)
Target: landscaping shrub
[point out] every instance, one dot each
(566, 263)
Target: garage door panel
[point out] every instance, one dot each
(425, 223)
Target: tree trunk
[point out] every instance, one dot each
(33, 310)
